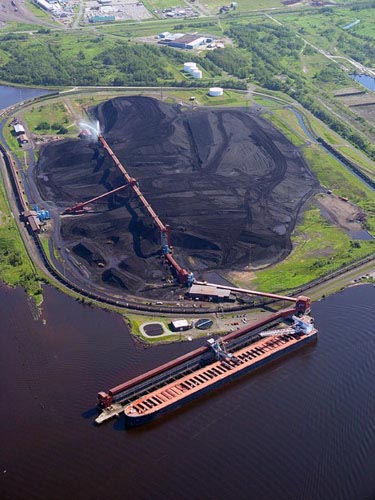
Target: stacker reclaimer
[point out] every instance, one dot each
(183, 276)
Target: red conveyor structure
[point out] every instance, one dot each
(302, 302)
(79, 207)
(165, 234)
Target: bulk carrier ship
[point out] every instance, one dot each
(184, 379)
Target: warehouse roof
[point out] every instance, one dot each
(186, 39)
(180, 323)
(18, 128)
(208, 291)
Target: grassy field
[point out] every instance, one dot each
(153, 5)
(16, 267)
(135, 321)
(319, 248)
(12, 142)
(56, 114)
(358, 158)
(56, 110)
(267, 103)
(245, 6)
(154, 27)
(40, 14)
(286, 121)
(325, 28)
(229, 98)
(320, 129)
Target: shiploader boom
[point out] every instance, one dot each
(302, 302)
(165, 233)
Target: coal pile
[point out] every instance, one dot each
(229, 184)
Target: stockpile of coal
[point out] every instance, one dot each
(229, 184)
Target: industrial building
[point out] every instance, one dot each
(102, 19)
(22, 139)
(179, 325)
(18, 129)
(44, 5)
(32, 221)
(181, 41)
(210, 293)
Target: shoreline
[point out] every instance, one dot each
(326, 285)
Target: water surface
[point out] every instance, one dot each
(302, 428)
(12, 95)
(365, 80)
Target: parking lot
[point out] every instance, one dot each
(121, 10)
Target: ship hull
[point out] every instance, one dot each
(137, 420)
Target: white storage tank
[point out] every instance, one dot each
(189, 67)
(215, 91)
(196, 73)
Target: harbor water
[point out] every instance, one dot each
(301, 428)
(12, 95)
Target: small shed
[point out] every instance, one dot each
(179, 325)
(18, 129)
(34, 224)
(22, 139)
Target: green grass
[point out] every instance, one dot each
(131, 29)
(13, 26)
(135, 321)
(45, 244)
(358, 158)
(267, 103)
(282, 119)
(229, 97)
(245, 6)
(319, 248)
(335, 176)
(164, 4)
(11, 141)
(55, 112)
(4, 58)
(16, 267)
(41, 14)
(326, 27)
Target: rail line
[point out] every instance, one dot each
(22, 205)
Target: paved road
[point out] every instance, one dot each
(79, 15)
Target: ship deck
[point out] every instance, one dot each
(212, 374)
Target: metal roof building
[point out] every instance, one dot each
(187, 41)
(180, 324)
(18, 128)
(206, 292)
(45, 5)
(22, 139)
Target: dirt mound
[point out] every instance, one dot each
(229, 184)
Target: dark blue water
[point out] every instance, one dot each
(365, 80)
(12, 95)
(302, 428)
